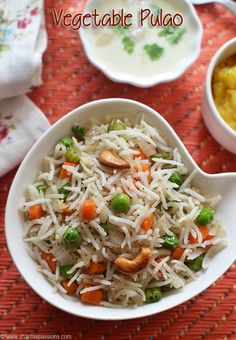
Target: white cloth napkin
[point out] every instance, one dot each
(23, 40)
(21, 123)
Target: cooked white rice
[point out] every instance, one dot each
(90, 179)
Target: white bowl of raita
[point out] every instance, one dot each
(154, 42)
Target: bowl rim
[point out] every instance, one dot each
(8, 215)
(138, 82)
(209, 92)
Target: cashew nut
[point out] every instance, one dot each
(108, 159)
(136, 265)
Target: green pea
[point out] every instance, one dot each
(164, 155)
(66, 141)
(116, 125)
(64, 270)
(105, 227)
(72, 238)
(176, 178)
(79, 132)
(72, 154)
(42, 188)
(196, 264)
(121, 203)
(170, 242)
(206, 216)
(153, 294)
(64, 191)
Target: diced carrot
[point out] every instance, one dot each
(36, 211)
(203, 230)
(177, 253)
(70, 290)
(88, 210)
(50, 259)
(147, 223)
(93, 297)
(209, 237)
(67, 212)
(149, 178)
(140, 154)
(96, 268)
(64, 173)
(144, 167)
(135, 183)
(159, 259)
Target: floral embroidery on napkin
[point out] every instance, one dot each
(21, 21)
(5, 127)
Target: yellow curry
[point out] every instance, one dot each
(224, 90)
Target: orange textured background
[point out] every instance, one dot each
(69, 81)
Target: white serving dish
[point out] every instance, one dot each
(156, 78)
(225, 184)
(219, 129)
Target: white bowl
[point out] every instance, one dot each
(225, 184)
(157, 78)
(219, 129)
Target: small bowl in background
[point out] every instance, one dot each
(218, 128)
(179, 65)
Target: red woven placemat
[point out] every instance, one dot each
(69, 81)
